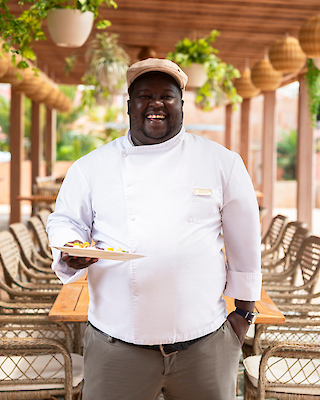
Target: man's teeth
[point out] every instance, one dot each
(156, 116)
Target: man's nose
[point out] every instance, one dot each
(156, 102)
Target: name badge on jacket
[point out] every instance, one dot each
(202, 192)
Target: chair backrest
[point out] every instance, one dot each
(43, 216)
(274, 232)
(308, 260)
(24, 239)
(9, 257)
(292, 252)
(40, 236)
(283, 245)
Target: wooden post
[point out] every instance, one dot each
(269, 157)
(36, 142)
(245, 134)
(50, 140)
(16, 149)
(229, 132)
(305, 159)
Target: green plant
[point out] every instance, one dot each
(219, 85)
(287, 154)
(108, 64)
(21, 32)
(313, 83)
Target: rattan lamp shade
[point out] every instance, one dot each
(286, 55)
(29, 81)
(4, 64)
(265, 77)
(244, 86)
(146, 52)
(309, 36)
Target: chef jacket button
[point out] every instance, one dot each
(132, 218)
(125, 154)
(128, 184)
(136, 293)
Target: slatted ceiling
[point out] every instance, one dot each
(247, 28)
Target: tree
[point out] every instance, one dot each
(287, 154)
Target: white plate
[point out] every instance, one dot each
(96, 253)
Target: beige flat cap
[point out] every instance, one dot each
(157, 65)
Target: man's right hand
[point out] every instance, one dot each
(77, 262)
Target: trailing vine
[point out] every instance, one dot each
(313, 83)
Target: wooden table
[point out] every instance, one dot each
(72, 305)
(36, 198)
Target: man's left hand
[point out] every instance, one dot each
(239, 324)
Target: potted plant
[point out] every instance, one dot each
(107, 66)
(21, 32)
(198, 59)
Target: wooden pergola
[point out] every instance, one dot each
(247, 28)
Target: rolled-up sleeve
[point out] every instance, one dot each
(71, 220)
(241, 231)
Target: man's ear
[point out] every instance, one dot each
(128, 107)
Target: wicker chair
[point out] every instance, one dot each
(37, 369)
(43, 216)
(17, 274)
(285, 269)
(40, 237)
(30, 256)
(38, 310)
(308, 262)
(273, 235)
(284, 371)
(280, 249)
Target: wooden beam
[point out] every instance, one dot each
(50, 140)
(269, 157)
(245, 134)
(229, 132)
(16, 150)
(305, 159)
(36, 142)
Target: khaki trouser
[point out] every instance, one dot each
(207, 370)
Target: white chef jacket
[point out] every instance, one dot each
(168, 201)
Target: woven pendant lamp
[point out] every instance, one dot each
(146, 52)
(286, 55)
(264, 76)
(29, 81)
(309, 36)
(4, 64)
(244, 86)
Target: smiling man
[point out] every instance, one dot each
(159, 323)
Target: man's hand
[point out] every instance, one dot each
(77, 262)
(239, 324)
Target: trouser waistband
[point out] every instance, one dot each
(165, 349)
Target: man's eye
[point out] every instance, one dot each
(168, 97)
(144, 96)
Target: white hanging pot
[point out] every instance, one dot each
(197, 75)
(69, 27)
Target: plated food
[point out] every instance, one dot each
(78, 249)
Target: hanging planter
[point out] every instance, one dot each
(213, 78)
(286, 55)
(264, 76)
(309, 37)
(68, 27)
(244, 86)
(197, 75)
